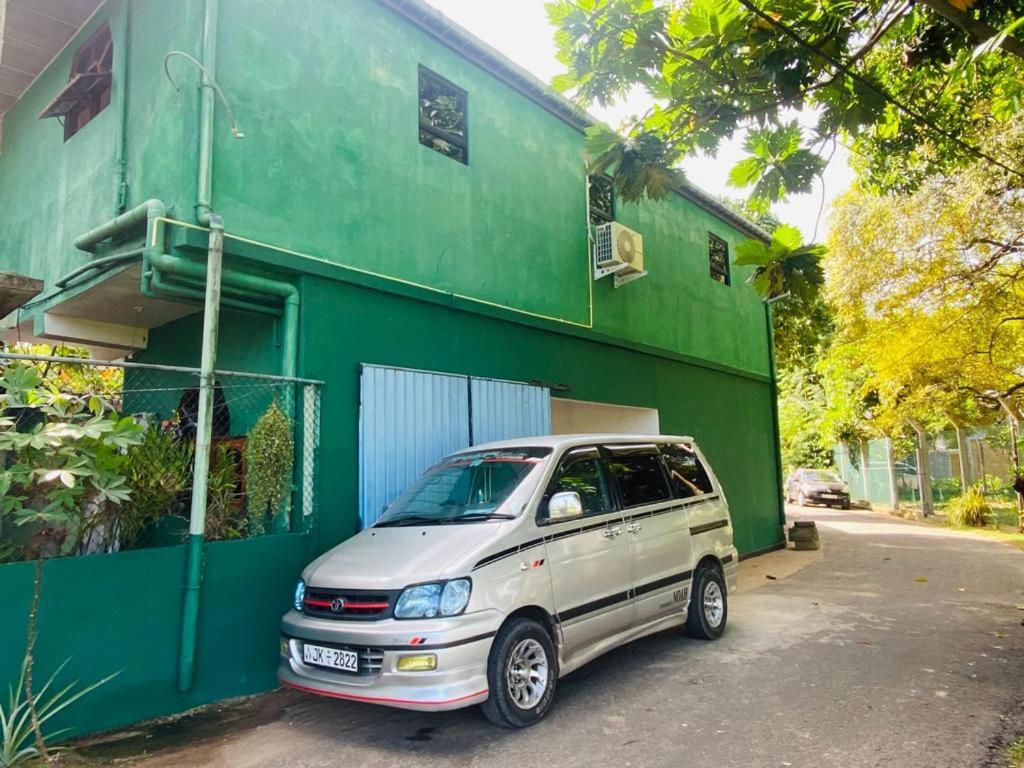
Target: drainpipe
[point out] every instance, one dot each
(776, 434)
(149, 212)
(204, 196)
(121, 52)
(246, 284)
(200, 474)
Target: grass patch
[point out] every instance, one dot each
(1015, 753)
(1003, 525)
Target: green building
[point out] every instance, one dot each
(399, 200)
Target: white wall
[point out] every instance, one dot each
(575, 416)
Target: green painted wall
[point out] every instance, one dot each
(51, 191)
(331, 166)
(730, 416)
(121, 613)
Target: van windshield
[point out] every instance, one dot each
(467, 487)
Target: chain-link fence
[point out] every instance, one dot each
(986, 463)
(99, 457)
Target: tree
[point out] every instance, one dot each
(928, 293)
(913, 85)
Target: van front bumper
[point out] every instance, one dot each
(461, 645)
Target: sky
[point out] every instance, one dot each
(521, 31)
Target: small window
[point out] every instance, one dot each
(688, 476)
(581, 472)
(88, 90)
(443, 116)
(602, 199)
(641, 479)
(718, 258)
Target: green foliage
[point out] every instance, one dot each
(225, 512)
(159, 472)
(16, 747)
(785, 265)
(713, 67)
(1015, 753)
(801, 411)
(776, 165)
(65, 456)
(969, 510)
(803, 330)
(269, 456)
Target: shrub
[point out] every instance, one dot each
(63, 465)
(269, 453)
(970, 509)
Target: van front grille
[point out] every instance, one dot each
(348, 604)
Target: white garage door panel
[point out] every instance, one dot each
(504, 410)
(408, 420)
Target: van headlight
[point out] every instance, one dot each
(438, 598)
(300, 594)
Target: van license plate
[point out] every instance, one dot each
(335, 658)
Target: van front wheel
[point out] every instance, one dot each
(709, 607)
(522, 670)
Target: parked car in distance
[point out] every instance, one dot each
(508, 565)
(817, 486)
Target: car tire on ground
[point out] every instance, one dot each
(709, 605)
(846, 505)
(522, 671)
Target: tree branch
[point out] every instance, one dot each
(977, 29)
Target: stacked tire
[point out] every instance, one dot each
(804, 535)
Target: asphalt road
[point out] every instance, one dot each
(897, 645)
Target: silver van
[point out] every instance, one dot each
(510, 564)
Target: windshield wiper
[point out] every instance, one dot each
(410, 520)
(483, 516)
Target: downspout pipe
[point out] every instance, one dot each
(121, 54)
(204, 194)
(251, 284)
(774, 394)
(201, 467)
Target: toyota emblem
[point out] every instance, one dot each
(338, 605)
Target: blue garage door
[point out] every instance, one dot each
(410, 419)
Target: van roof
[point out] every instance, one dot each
(567, 441)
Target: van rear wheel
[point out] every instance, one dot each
(709, 606)
(522, 670)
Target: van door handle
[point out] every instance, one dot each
(611, 533)
(634, 527)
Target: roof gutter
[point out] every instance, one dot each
(470, 47)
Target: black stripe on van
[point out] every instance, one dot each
(708, 527)
(619, 597)
(511, 551)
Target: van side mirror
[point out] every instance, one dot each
(564, 506)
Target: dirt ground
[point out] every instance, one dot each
(897, 645)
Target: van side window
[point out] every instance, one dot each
(688, 476)
(641, 479)
(580, 471)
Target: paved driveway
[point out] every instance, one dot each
(898, 645)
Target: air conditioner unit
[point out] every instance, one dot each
(618, 251)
